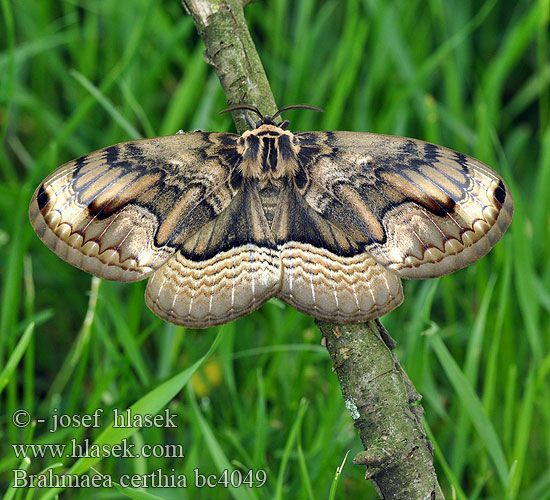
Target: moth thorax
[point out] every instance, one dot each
(268, 154)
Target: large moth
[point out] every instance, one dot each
(328, 222)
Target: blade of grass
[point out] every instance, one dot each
(216, 451)
(106, 104)
(129, 343)
(471, 371)
(336, 480)
(79, 344)
(288, 447)
(473, 406)
(16, 356)
(447, 470)
(7, 85)
(523, 425)
(110, 79)
(304, 470)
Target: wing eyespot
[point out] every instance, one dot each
(42, 197)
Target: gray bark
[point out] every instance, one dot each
(384, 406)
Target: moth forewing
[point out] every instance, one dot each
(421, 210)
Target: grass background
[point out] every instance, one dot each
(76, 76)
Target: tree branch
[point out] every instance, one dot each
(230, 50)
(383, 404)
(379, 395)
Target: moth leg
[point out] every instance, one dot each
(249, 120)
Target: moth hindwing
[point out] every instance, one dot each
(326, 221)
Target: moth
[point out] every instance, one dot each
(328, 222)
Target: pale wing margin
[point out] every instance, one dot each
(122, 211)
(419, 209)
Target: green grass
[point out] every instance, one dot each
(76, 76)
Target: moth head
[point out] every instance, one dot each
(268, 120)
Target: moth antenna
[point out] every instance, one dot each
(297, 106)
(242, 106)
